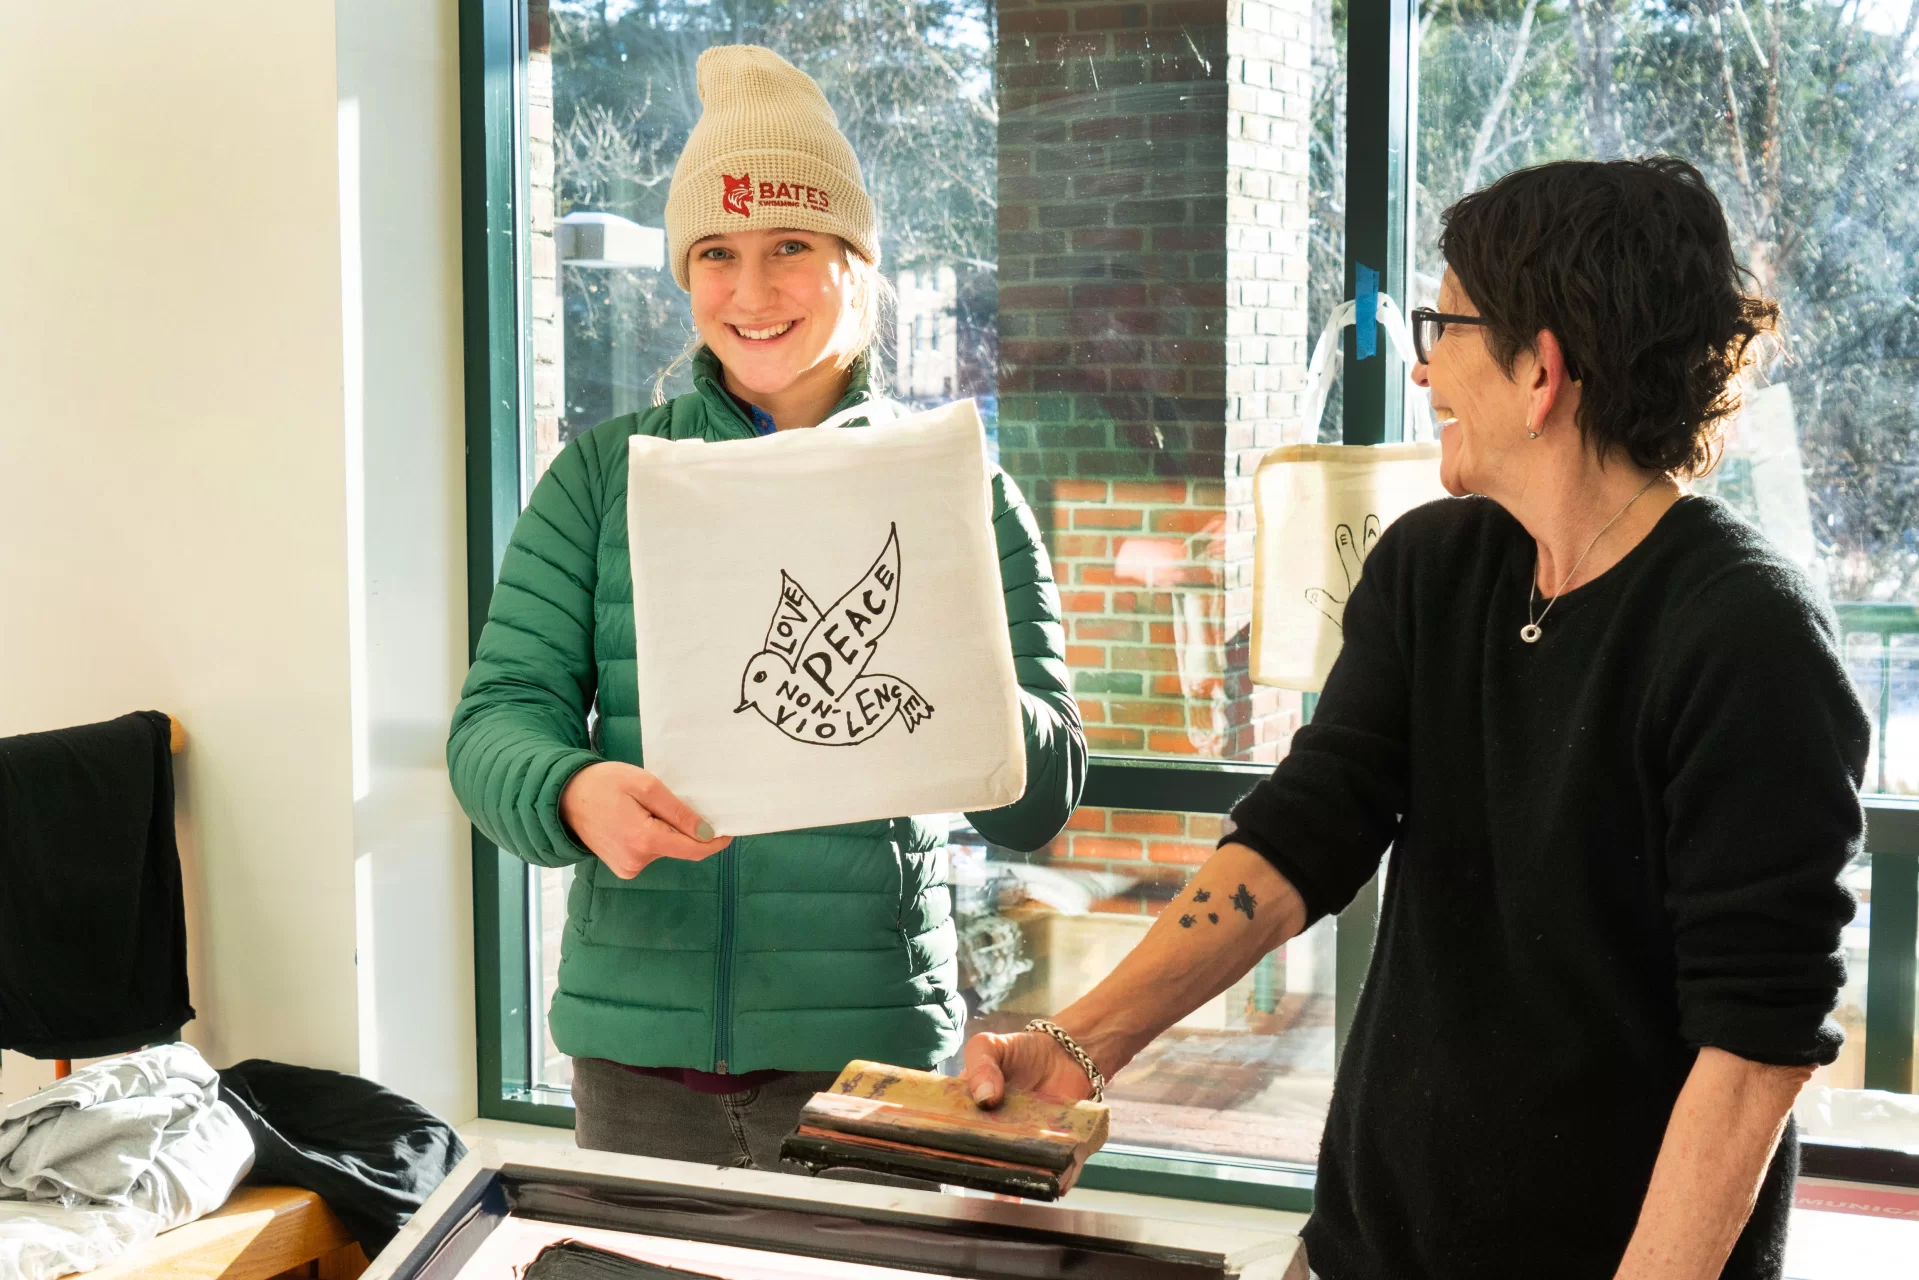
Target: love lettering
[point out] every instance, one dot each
(790, 623)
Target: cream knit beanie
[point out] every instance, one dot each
(767, 152)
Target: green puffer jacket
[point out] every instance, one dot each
(801, 950)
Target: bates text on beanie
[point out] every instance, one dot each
(793, 195)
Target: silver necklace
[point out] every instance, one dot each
(1530, 633)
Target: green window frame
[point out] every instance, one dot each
(1381, 80)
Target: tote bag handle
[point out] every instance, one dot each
(875, 411)
(1327, 357)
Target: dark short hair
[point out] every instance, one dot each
(1630, 265)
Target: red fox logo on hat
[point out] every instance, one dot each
(738, 196)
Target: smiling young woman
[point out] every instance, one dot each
(786, 312)
(696, 1027)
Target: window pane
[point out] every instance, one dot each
(916, 103)
(1820, 197)
(1171, 235)
(551, 1069)
(1849, 1072)
(1247, 1074)
(1116, 227)
(610, 99)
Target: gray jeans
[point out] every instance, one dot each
(619, 1110)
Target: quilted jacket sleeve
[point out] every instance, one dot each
(519, 733)
(1055, 741)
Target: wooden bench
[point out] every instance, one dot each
(260, 1233)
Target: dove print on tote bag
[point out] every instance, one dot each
(820, 629)
(811, 680)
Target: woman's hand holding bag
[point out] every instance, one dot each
(629, 819)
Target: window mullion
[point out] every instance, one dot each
(490, 209)
(1379, 54)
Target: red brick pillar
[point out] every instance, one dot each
(1152, 205)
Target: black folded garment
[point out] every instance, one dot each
(93, 938)
(371, 1154)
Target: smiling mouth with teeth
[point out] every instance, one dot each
(762, 335)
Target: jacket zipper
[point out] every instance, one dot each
(722, 1007)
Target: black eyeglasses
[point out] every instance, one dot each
(1429, 327)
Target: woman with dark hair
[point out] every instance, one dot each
(1606, 733)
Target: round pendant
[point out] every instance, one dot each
(1530, 633)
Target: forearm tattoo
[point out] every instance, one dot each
(1242, 901)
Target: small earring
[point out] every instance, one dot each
(1532, 435)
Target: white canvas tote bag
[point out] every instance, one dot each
(1320, 508)
(819, 624)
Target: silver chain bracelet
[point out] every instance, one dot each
(1079, 1055)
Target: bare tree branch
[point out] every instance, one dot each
(985, 108)
(1739, 8)
(1594, 36)
(1519, 138)
(596, 152)
(1734, 125)
(1489, 123)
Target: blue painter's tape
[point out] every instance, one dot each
(1365, 311)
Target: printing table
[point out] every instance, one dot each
(507, 1200)
(260, 1233)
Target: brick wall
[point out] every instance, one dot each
(1159, 849)
(1139, 565)
(1152, 260)
(1269, 130)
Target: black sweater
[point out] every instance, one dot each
(1609, 849)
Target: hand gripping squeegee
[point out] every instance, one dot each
(915, 1124)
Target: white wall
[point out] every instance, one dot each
(212, 505)
(400, 191)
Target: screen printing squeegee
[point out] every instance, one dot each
(915, 1124)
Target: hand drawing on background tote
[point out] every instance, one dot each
(1351, 559)
(810, 680)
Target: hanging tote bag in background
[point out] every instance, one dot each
(1320, 508)
(819, 625)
